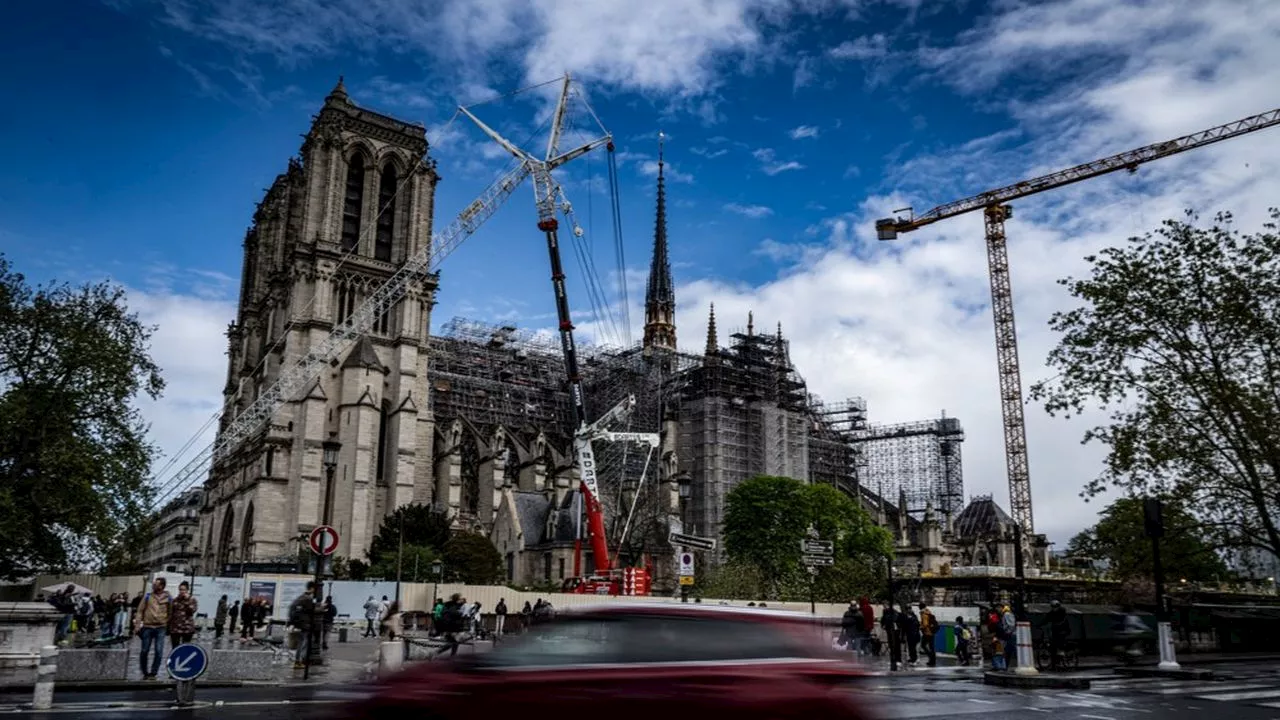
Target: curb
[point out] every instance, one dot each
(1004, 679)
(1180, 674)
(125, 685)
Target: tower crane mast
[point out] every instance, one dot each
(996, 211)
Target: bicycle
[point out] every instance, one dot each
(1068, 654)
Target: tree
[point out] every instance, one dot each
(470, 558)
(767, 517)
(1178, 339)
(74, 460)
(1118, 538)
(413, 566)
(423, 527)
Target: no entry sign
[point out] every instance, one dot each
(323, 540)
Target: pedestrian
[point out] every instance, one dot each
(220, 618)
(182, 616)
(393, 621)
(964, 640)
(1009, 636)
(889, 622)
(330, 614)
(928, 629)
(302, 615)
(150, 623)
(851, 627)
(233, 615)
(372, 614)
(500, 615)
(248, 616)
(910, 625)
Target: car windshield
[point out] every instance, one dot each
(640, 638)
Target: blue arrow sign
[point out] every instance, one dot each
(187, 662)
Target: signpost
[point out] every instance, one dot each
(686, 572)
(692, 541)
(324, 542)
(186, 663)
(816, 553)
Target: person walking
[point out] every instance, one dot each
(182, 616)
(330, 614)
(928, 629)
(372, 614)
(910, 626)
(302, 616)
(150, 624)
(500, 615)
(233, 615)
(220, 618)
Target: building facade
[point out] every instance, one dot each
(173, 547)
(341, 219)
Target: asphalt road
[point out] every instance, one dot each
(1247, 692)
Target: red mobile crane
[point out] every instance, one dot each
(547, 192)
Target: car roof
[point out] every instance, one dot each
(692, 610)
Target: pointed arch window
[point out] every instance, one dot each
(353, 204)
(386, 213)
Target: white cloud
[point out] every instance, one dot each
(803, 131)
(770, 165)
(649, 168)
(190, 347)
(867, 47)
(752, 211)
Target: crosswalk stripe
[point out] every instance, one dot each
(1247, 695)
(1206, 688)
(1269, 705)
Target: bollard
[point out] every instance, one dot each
(45, 674)
(184, 692)
(1168, 658)
(390, 656)
(1026, 656)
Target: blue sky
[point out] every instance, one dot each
(140, 133)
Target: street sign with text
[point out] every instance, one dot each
(818, 560)
(692, 541)
(323, 540)
(817, 547)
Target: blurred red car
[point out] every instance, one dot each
(653, 661)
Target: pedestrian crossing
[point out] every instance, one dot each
(1261, 689)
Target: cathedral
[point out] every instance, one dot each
(475, 420)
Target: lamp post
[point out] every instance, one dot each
(329, 460)
(684, 485)
(437, 569)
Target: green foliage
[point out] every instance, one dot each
(339, 567)
(1118, 538)
(1177, 337)
(472, 559)
(357, 569)
(74, 459)
(415, 566)
(422, 526)
(766, 518)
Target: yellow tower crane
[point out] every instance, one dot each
(995, 209)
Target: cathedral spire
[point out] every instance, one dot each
(713, 341)
(751, 323)
(660, 297)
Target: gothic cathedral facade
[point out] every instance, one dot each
(339, 222)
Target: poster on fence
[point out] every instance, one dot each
(265, 589)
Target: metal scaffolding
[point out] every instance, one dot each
(919, 459)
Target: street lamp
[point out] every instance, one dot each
(437, 568)
(329, 459)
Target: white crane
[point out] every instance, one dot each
(297, 377)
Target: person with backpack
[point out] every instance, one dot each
(964, 640)
(928, 629)
(151, 624)
(452, 622)
(302, 615)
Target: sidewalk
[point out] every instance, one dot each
(345, 663)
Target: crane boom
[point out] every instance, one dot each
(295, 378)
(995, 209)
(1122, 161)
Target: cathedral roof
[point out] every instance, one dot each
(982, 517)
(363, 355)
